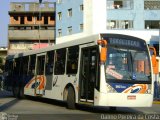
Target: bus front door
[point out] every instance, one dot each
(40, 74)
(88, 74)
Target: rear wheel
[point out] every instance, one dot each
(15, 91)
(71, 98)
(21, 93)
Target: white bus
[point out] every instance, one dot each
(101, 70)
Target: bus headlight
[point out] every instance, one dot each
(110, 89)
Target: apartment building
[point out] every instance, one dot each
(32, 26)
(78, 18)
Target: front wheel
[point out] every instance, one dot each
(71, 98)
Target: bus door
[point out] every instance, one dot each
(88, 74)
(40, 74)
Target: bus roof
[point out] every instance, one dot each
(84, 40)
(80, 41)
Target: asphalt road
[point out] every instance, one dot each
(44, 109)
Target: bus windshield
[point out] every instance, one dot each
(127, 64)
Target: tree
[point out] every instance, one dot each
(1, 64)
(1, 61)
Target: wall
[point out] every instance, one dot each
(137, 14)
(74, 21)
(93, 17)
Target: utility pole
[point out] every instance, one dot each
(40, 1)
(159, 38)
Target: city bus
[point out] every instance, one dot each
(111, 70)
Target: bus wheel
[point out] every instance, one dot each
(112, 109)
(15, 90)
(21, 93)
(71, 98)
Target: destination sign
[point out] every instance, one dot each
(124, 42)
(127, 42)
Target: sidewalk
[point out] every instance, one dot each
(4, 93)
(156, 101)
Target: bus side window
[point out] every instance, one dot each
(72, 60)
(60, 58)
(49, 62)
(32, 64)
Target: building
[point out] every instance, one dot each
(78, 18)
(31, 25)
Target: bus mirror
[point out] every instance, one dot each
(154, 61)
(155, 64)
(103, 54)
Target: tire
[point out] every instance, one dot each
(71, 98)
(15, 91)
(21, 93)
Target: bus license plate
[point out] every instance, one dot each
(131, 97)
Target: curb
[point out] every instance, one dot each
(156, 102)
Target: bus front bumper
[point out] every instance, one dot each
(123, 99)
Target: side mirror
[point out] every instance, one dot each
(103, 54)
(154, 60)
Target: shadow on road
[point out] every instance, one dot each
(7, 105)
(91, 109)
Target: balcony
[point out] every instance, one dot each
(31, 7)
(31, 34)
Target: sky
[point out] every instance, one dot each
(4, 18)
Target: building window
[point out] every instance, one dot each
(119, 24)
(152, 4)
(81, 27)
(59, 1)
(39, 18)
(152, 24)
(59, 15)
(29, 18)
(81, 7)
(59, 32)
(70, 12)
(15, 18)
(70, 30)
(119, 4)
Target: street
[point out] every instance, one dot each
(36, 108)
